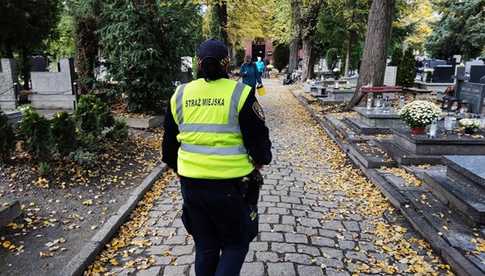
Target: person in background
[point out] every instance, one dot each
(266, 69)
(261, 66)
(249, 73)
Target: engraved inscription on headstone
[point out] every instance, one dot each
(390, 76)
(474, 93)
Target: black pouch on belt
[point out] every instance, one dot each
(254, 182)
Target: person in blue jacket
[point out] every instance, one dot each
(261, 66)
(250, 74)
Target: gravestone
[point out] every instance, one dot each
(374, 121)
(443, 74)
(474, 94)
(462, 186)
(390, 76)
(476, 73)
(54, 90)
(39, 64)
(8, 79)
(13, 117)
(468, 64)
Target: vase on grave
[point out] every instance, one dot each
(418, 130)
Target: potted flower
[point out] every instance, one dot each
(470, 126)
(418, 114)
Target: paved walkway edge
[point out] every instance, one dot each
(458, 263)
(95, 245)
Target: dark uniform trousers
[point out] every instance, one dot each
(221, 222)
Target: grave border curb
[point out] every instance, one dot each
(97, 242)
(441, 247)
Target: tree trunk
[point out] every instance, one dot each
(307, 59)
(86, 51)
(311, 65)
(296, 40)
(219, 21)
(373, 64)
(308, 22)
(25, 67)
(347, 57)
(294, 56)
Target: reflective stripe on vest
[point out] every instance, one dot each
(214, 150)
(232, 125)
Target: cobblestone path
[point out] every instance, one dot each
(306, 227)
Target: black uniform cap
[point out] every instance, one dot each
(213, 48)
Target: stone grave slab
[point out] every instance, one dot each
(8, 78)
(404, 157)
(466, 198)
(379, 118)
(470, 169)
(441, 145)
(365, 129)
(370, 154)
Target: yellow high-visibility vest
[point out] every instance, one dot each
(207, 115)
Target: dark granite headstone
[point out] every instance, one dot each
(474, 94)
(39, 64)
(443, 74)
(476, 73)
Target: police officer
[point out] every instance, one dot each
(216, 140)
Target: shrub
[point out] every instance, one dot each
(44, 169)
(118, 132)
(64, 133)
(84, 158)
(406, 71)
(92, 114)
(281, 56)
(7, 138)
(36, 131)
(143, 66)
(396, 57)
(89, 141)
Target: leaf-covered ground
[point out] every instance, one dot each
(318, 215)
(64, 209)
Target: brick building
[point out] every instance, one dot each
(260, 47)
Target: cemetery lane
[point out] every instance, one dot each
(318, 215)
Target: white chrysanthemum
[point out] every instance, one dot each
(419, 113)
